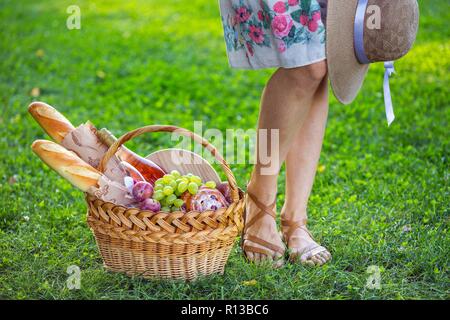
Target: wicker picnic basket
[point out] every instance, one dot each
(174, 245)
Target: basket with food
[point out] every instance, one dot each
(167, 215)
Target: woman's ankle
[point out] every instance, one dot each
(293, 213)
(265, 192)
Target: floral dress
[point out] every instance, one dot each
(273, 33)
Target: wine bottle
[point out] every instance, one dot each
(149, 170)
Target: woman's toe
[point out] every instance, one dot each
(309, 263)
(305, 260)
(257, 258)
(316, 260)
(322, 259)
(326, 256)
(250, 256)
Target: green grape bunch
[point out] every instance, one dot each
(169, 188)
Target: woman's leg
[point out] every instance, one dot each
(301, 164)
(285, 103)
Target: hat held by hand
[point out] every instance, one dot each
(361, 32)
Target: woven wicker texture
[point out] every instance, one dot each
(174, 245)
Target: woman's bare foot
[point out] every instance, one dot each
(262, 241)
(300, 242)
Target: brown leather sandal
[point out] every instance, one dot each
(311, 250)
(271, 249)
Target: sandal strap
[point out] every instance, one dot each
(294, 225)
(252, 249)
(269, 209)
(264, 209)
(264, 243)
(316, 250)
(311, 250)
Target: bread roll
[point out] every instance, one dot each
(53, 122)
(67, 164)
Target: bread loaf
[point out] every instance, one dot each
(67, 164)
(53, 122)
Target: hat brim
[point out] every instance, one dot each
(345, 72)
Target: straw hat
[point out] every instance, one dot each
(360, 32)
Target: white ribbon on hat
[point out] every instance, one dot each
(362, 58)
(389, 70)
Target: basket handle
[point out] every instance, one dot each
(184, 132)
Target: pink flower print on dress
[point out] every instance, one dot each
(293, 2)
(304, 19)
(256, 34)
(242, 14)
(281, 25)
(281, 46)
(313, 25)
(316, 16)
(279, 7)
(260, 15)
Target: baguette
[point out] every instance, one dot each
(67, 164)
(53, 122)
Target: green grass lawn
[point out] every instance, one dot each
(380, 199)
